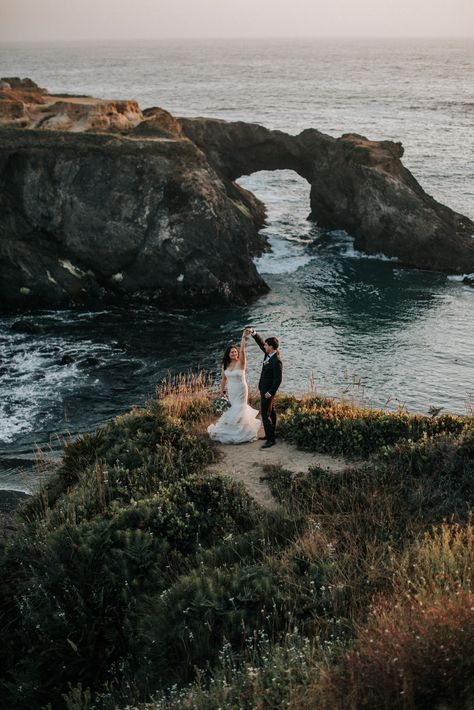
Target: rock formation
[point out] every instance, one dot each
(357, 185)
(89, 217)
(23, 104)
(101, 201)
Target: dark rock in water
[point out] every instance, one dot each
(144, 206)
(26, 326)
(67, 360)
(468, 280)
(109, 218)
(357, 185)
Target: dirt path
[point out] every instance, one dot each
(244, 462)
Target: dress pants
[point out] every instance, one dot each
(269, 416)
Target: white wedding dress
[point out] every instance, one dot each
(239, 422)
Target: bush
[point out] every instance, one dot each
(372, 512)
(76, 587)
(417, 648)
(188, 623)
(268, 677)
(341, 429)
(135, 569)
(125, 460)
(410, 656)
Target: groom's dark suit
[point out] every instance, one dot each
(270, 380)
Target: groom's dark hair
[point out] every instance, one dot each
(274, 342)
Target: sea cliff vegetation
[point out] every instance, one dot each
(136, 579)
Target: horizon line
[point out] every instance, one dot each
(232, 38)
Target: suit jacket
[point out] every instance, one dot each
(272, 370)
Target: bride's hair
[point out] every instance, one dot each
(226, 358)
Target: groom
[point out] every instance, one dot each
(269, 382)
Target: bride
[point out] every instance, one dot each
(239, 423)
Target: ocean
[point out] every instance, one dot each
(350, 325)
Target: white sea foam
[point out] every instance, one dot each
(458, 277)
(32, 384)
(34, 381)
(286, 257)
(355, 254)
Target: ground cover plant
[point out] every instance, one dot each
(337, 427)
(136, 579)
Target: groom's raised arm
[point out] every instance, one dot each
(258, 340)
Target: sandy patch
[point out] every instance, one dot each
(245, 462)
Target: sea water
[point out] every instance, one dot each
(350, 325)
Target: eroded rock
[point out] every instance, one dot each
(357, 185)
(100, 201)
(87, 218)
(23, 104)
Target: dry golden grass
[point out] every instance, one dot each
(178, 392)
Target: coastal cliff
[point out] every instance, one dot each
(101, 201)
(138, 561)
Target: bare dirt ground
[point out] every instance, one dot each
(245, 463)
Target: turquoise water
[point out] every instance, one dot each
(350, 325)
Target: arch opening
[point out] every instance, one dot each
(287, 229)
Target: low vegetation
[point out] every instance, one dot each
(340, 428)
(138, 580)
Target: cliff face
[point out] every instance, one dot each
(100, 201)
(86, 218)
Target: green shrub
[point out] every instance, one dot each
(76, 587)
(192, 513)
(334, 428)
(188, 623)
(125, 460)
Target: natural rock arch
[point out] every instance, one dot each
(101, 201)
(357, 185)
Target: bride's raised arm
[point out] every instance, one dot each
(243, 354)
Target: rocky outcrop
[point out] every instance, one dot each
(158, 123)
(23, 104)
(102, 201)
(357, 185)
(86, 218)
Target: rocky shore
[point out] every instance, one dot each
(101, 201)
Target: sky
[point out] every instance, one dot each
(46, 20)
